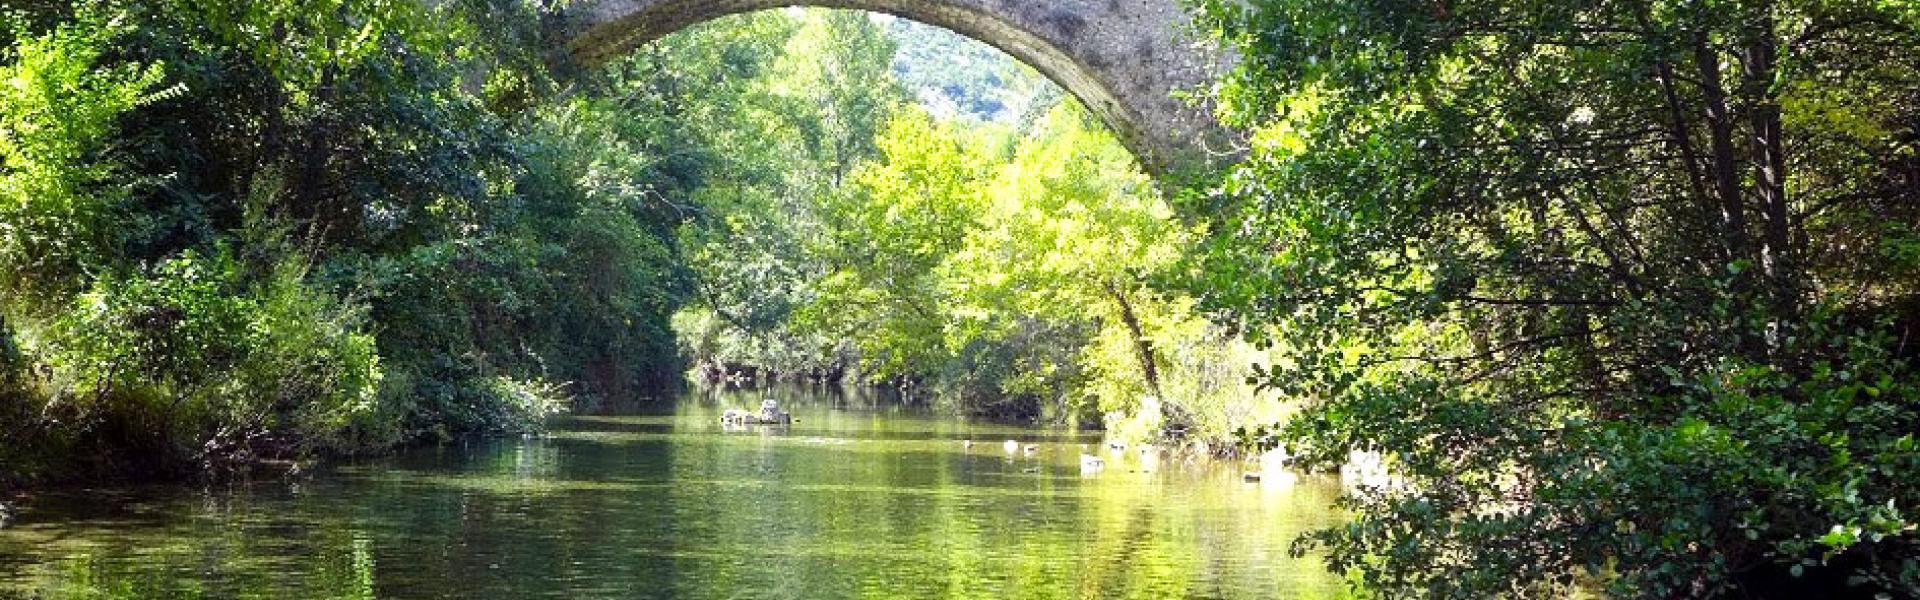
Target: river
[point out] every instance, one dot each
(859, 498)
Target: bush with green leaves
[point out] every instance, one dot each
(59, 112)
(200, 359)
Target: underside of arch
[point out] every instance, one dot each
(1124, 59)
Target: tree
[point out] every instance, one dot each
(779, 98)
(836, 70)
(1606, 280)
(1070, 236)
(905, 214)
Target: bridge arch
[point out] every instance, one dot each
(1127, 60)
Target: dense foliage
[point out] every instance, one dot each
(1625, 291)
(235, 230)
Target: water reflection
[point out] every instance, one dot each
(857, 498)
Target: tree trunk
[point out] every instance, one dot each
(1725, 159)
(1760, 60)
(1143, 346)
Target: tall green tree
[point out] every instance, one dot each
(836, 69)
(786, 101)
(906, 213)
(1618, 287)
(1066, 243)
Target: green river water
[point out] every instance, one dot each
(858, 499)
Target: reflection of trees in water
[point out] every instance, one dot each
(1165, 535)
(792, 395)
(851, 503)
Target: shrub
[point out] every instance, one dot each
(196, 359)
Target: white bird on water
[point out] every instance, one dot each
(1012, 446)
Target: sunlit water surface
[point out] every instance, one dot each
(854, 500)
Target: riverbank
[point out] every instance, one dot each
(133, 445)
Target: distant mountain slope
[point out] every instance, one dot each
(955, 76)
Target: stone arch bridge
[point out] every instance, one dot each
(1129, 61)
